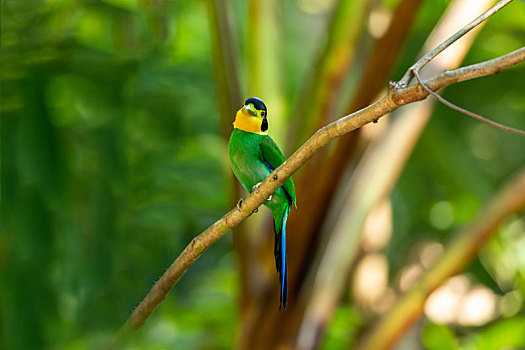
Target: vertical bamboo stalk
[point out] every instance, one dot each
(264, 60)
(322, 93)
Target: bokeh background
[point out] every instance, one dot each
(115, 116)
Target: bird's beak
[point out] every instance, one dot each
(248, 109)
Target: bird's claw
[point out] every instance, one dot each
(239, 203)
(255, 189)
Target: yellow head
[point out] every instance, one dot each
(252, 117)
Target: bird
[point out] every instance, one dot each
(253, 157)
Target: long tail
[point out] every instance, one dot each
(280, 253)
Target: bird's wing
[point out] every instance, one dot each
(273, 158)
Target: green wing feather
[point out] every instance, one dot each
(274, 157)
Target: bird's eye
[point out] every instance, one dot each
(263, 114)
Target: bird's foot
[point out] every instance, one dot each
(239, 203)
(255, 189)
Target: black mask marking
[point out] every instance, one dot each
(264, 125)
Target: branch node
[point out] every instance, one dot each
(396, 85)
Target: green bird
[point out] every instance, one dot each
(253, 156)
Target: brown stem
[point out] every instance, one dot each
(467, 112)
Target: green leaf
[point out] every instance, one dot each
(508, 333)
(438, 337)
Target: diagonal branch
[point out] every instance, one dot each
(416, 67)
(406, 95)
(396, 97)
(464, 111)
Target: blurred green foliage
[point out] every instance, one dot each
(111, 163)
(507, 333)
(112, 160)
(436, 337)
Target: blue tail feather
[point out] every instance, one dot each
(280, 255)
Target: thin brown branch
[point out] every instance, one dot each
(396, 97)
(510, 200)
(441, 47)
(464, 111)
(452, 76)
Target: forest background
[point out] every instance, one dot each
(115, 117)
